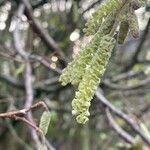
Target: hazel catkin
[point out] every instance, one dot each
(75, 70)
(95, 21)
(91, 79)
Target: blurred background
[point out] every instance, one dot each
(37, 40)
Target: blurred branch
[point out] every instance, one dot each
(14, 134)
(47, 82)
(9, 53)
(135, 59)
(91, 6)
(28, 85)
(28, 78)
(114, 86)
(40, 3)
(126, 75)
(19, 114)
(29, 101)
(9, 56)
(42, 33)
(12, 81)
(44, 62)
(24, 111)
(122, 115)
(16, 33)
(126, 136)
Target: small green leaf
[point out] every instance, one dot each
(45, 121)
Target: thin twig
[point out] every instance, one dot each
(125, 117)
(115, 86)
(24, 111)
(43, 34)
(28, 123)
(135, 58)
(126, 136)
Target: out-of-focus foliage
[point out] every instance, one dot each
(126, 82)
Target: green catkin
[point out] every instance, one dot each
(95, 21)
(133, 24)
(44, 122)
(91, 79)
(123, 31)
(66, 75)
(89, 65)
(76, 69)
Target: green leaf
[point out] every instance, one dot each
(45, 121)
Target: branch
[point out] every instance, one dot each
(33, 57)
(40, 3)
(16, 34)
(126, 75)
(126, 136)
(134, 59)
(28, 123)
(44, 62)
(23, 112)
(43, 34)
(20, 114)
(11, 81)
(16, 136)
(28, 78)
(122, 115)
(114, 86)
(91, 6)
(29, 101)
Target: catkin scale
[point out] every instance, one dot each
(91, 79)
(76, 69)
(95, 21)
(123, 31)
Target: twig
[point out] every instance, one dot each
(28, 77)
(43, 34)
(40, 3)
(115, 86)
(126, 136)
(125, 117)
(135, 58)
(9, 57)
(12, 81)
(16, 136)
(44, 62)
(126, 75)
(91, 6)
(28, 123)
(16, 35)
(47, 82)
(23, 112)
(29, 100)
